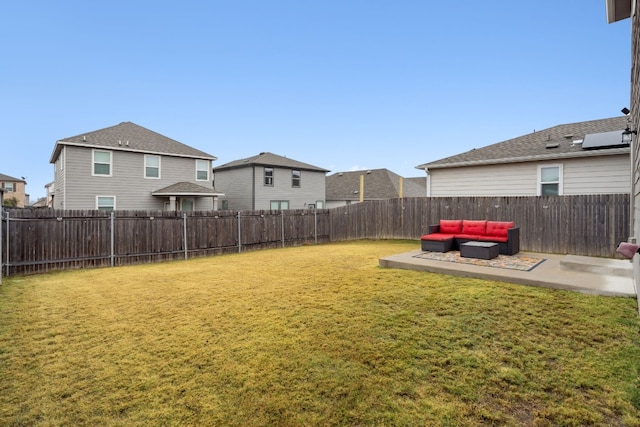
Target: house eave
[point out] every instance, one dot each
(59, 144)
(618, 10)
(523, 159)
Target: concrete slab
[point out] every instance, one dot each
(610, 277)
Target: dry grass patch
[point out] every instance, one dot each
(315, 335)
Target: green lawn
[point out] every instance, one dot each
(314, 335)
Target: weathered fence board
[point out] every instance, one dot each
(43, 239)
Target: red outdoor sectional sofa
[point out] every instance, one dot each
(450, 234)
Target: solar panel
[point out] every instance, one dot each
(593, 141)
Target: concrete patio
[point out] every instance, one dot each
(600, 276)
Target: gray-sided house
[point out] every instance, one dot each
(571, 159)
(127, 166)
(269, 181)
(344, 188)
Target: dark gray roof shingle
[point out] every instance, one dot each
(379, 184)
(128, 136)
(8, 178)
(533, 146)
(269, 159)
(188, 188)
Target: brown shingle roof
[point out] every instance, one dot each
(378, 184)
(533, 146)
(128, 136)
(269, 159)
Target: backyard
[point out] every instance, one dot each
(311, 335)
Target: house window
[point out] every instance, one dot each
(295, 179)
(105, 203)
(277, 205)
(268, 176)
(151, 166)
(102, 163)
(320, 204)
(202, 170)
(9, 186)
(549, 180)
(187, 205)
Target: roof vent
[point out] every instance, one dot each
(84, 138)
(552, 145)
(568, 136)
(577, 142)
(119, 142)
(368, 172)
(339, 173)
(127, 143)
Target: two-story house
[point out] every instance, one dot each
(588, 157)
(127, 166)
(14, 191)
(269, 181)
(345, 188)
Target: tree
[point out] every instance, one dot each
(10, 202)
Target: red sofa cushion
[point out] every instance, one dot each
(488, 238)
(450, 226)
(474, 228)
(499, 228)
(437, 236)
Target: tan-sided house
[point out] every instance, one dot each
(127, 166)
(571, 159)
(15, 192)
(269, 181)
(344, 188)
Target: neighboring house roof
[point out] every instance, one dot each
(128, 136)
(8, 178)
(186, 189)
(269, 160)
(558, 142)
(378, 184)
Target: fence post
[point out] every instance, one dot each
(1, 237)
(239, 234)
(315, 226)
(8, 247)
(113, 234)
(184, 226)
(282, 226)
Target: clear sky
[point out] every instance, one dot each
(340, 84)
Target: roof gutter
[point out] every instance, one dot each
(522, 159)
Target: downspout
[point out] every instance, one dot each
(253, 189)
(426, 170)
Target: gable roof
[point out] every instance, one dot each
(186, 189)
(378, 184)
(269, 160)
(553, 143)
(128, 136)
(8, 178)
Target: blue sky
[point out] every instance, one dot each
(340, 84)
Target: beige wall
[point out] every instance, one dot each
(19, 193)
(589, 175)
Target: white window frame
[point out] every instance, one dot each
(559, 182)
(294, 178)
(319, 204)
(93, 163)
(199, 168)
(279, 205)
(149, 156)
(268, 180)
(113, 208)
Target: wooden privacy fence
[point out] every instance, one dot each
(41, 240)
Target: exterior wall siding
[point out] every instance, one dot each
(592, 175)
(634, 123)
(236, 184)
(244, 188)
(312, 188)
(127, 182)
